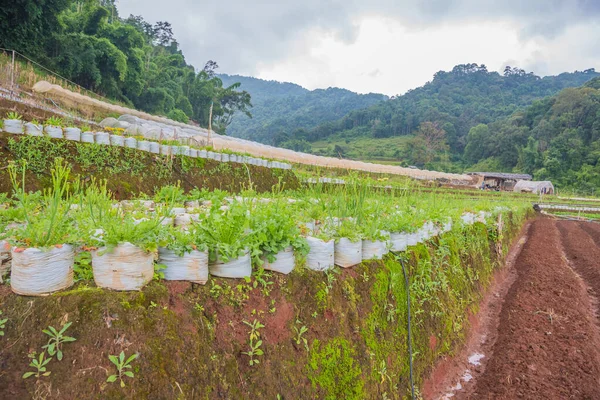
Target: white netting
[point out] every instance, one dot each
(191, 266)
(284, 261)
(347, 253)
(36, 272)
(124, 267)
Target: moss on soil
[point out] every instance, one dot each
(191, 338)
(131, 172)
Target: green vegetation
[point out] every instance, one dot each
(122, 365)
(3, 322)
(39, 364)
(57, 338)
(125, 59)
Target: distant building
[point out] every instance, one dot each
(537, 187)
(497, 180)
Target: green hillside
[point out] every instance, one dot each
(282, 111)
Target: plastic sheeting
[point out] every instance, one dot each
(241, 267)
(284, 261)
(191, 266)
(536, 187)
(347, 253)
(13, 126)
(373, 250)
(37, 272)
(125, 267)
(321, 256)
(73, 134)
(32, 129)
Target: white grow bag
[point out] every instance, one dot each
(321, 255)
(191, 266)
(154, 147)
(125, 267)
(117, 140)
(373, 250)
(73, 134)
(185, 220)
(87, 137)
(399, 241)
(284, 261)
(32, 129)
(347, 253)
(13, 126)
(240, 267)
(55, 132)
(165, 149)
(102, 138)
(37, 272)
(412, 239)
(131, 143)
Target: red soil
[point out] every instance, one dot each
(547, 342)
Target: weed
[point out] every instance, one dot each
(39, 364)
(2, 324)
(255, 343)
(14, 115)
(57, 338)
(121, 365)
(82, 268)
(54, 121)
(299, 334)
(382, 370)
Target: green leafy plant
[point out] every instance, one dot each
(39, 364)
(122, 367)
(54, 121)
(14, 115)
(299, 339)
(57, 338)
(255, 343)
(82, 269)
(2, 324)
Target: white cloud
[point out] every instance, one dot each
(322, 43)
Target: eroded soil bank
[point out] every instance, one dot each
(546, 344)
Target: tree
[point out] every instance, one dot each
(433, 138)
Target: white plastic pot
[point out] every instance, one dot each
(240, 267)
(184, 220)
(13, 126)
(32, 129)
(88, 137)
(191, 266)
(37, 272)
(412, 239)
(165, 150)
(347, 253)
(193, 153)
(202, 154)
(224, 157)
(73, 134)
(321, 255)
(284, 261)
(125, 267)
(399, 241)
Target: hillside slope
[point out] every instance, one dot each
(280, 108)
(455, 100)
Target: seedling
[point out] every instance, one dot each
(255, 342)
(299, 332)
(54, 121)
(14, 115)
(39, 364)
(122, 365)
(57, 338)
(2, 324)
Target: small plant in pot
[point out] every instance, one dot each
(53, 127)
(348, 243)
(13, 123)
(42, 256)
(184, 254)
(230, 241)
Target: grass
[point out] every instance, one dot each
(364, 148)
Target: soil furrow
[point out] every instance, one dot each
(548, 342)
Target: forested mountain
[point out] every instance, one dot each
(281, 109)
(455, 101)
(127, 59)
(557, 138)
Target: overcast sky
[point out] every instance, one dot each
(385, 46)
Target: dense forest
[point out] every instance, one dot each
(557, 138)
(281, 110)
(127, 59)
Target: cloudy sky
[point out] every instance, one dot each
(385, 46)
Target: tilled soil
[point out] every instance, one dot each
(548, 339)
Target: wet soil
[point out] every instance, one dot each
(546, 344)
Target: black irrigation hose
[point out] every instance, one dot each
(410, 352)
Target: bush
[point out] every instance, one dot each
(178, 115)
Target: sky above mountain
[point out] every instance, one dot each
(384, 46)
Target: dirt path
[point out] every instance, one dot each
(547, 342)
